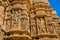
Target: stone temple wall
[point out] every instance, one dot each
(28, 20)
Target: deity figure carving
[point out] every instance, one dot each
(33, 24)
(24, 20)
(50, 25)
(50, 28)
(41, 26)
(33, 30)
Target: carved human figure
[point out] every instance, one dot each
(33, 30)
(50, 26)
(41, 26)
(15, 18)
(19, 19)
(24, 20)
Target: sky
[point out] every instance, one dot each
(55, 4)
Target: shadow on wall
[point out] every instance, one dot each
(55, 4)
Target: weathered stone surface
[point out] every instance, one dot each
(28, 20)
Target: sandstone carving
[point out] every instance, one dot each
(28, 20)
